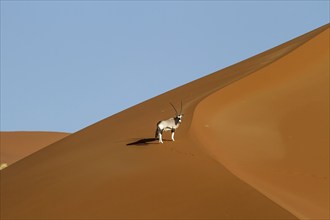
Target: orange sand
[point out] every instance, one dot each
(253, 145)
(272, 129)
(17, 145)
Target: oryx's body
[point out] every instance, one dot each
(170, 124)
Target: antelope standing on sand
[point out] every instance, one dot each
(170, 124)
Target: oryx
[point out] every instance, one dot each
(170, 124)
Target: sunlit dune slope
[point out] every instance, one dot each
(17, 145)
(272, 129)
(113, 169)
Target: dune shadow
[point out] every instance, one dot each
(144, 141)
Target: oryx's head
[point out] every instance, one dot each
(178, 116)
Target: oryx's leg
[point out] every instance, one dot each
(160, 138)
(160, 134)
(173, 131)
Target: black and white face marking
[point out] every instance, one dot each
(179, 118)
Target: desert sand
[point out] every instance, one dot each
(253, 145)
(17, 145)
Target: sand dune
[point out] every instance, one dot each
(272, 129)
(17, 145)
(233, 125)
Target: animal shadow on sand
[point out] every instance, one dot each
(145, 141)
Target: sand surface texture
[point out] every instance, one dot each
(253, 145)
(17, 145)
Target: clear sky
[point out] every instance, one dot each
(68, 64)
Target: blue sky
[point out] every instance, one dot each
(66, 65)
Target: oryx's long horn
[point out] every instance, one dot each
(174, 109)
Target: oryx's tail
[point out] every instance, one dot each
(157, 131)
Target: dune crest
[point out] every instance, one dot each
(3, 166)
(17, 145)
(133, 177)
(272, 129)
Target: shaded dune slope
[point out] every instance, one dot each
(95, 174)
(17, 145)
(272, 129)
